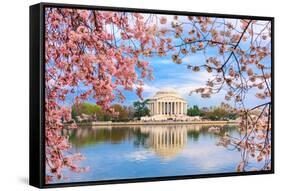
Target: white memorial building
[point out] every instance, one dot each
(167, 105)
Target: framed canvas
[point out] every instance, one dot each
(121, 95)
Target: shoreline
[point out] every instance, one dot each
(142, 123)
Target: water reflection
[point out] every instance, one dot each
(151, 151)
(166, 141)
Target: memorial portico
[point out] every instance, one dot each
(167, 103)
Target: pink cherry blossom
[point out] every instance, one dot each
(84, 51)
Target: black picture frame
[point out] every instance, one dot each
(37, 92)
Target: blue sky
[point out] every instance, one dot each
(169, 75)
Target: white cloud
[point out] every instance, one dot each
(150, 90)
(162, 61)
(140, 155)
(183, 83)
(198, 58)
(212, 153)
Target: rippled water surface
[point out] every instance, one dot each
(151, 151)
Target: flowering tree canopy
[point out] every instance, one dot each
(238, 54)
(99, 50)
(97, 54)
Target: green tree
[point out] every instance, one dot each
(232, 116)
(218, 114)
(194, 111)
(74, 113)
(122, 113)
(131, 112)
(85, 108)
(141, 108)
(103, 116)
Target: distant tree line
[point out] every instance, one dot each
(194, 111)
(222, 112)
(120, 113)
(140, 109)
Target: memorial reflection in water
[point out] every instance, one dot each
(166, 141)
(151, 150)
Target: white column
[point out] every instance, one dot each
(157, 111)
(162, 108)
(162, 103)
(155, 107)
(176, 108)
(175, 105)
(180, 108)
(169, 108)
(166, 107)
(158, 108)
(173, 108)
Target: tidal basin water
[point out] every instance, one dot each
(151, 151)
